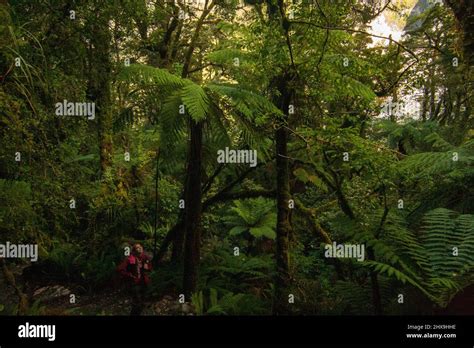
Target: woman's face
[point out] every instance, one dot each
(137, 249)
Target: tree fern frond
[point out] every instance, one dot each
(172, 122)
(146, 75)
(438, 142)
(237, 230)
(450, 160)
(225, 56)
(253, 215)
(449, 241)
(196, 101)
(355, 88)
(263, 231)
(393, 272)
(428, 163)
(251, 105)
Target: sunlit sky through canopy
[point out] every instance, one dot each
(391, 23)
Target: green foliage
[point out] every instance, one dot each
(428, 261)
(36, 309)
(353, 298)
(165, 278)
(225, 56)
(336, 79)
(411, 134)
(443, 230)
(226, 272)
(449, 160)
(209, 101)
(228, 304)
(148, 76)
(195, 101)
(77, 264)
(305, 177)
(253, 216)
(253, 106)
(16, 212)
(97, 271)
(62, 258)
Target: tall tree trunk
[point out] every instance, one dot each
(283, 222)
(193, 209)
(464, 12)
(178, 241)
(282, 101)
(432, 92)
(283, 84)
(193, 192)
(376, 298)
(99, 85)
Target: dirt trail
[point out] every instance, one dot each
(53, 298)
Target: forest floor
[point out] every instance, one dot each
(48, 297)
(53, 298)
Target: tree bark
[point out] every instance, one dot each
(193, 210)
(464, 12)
(376, 298)
(99, 86)
(178, 241)
(193, 192)
(283, 221)
(283, 230)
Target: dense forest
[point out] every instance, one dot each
(270, 157)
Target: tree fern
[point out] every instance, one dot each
(254, 216)
(411, 135)
(251, 105)
(247, 111)
(427, 261)
(221, 103)
(450, 241)
(440, 162)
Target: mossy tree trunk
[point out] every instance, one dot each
(193, 210)
(283, 230)
(193, 191)
(99, 85)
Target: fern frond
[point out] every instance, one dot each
(225, 56)
(442, 232)
(250, 104)
(146, 75)
(438, 142)
(393, 272)
(172, 123)
(196, 101)
(428, 163)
